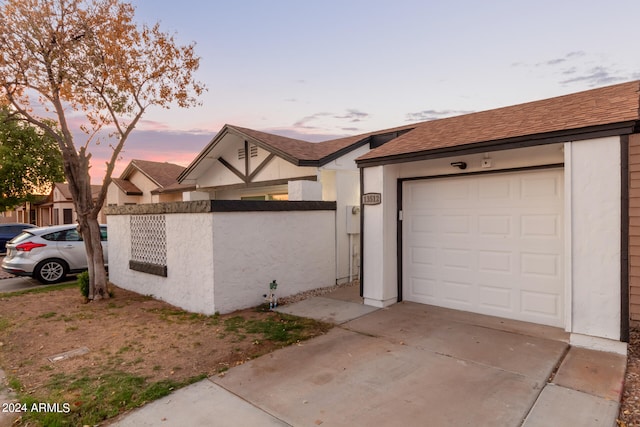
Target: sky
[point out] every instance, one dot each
(317, 70)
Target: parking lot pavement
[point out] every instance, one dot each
(4, 274)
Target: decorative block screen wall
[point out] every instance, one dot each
(149, 244)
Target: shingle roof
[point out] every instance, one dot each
(162, 174)
(592, 108)
(63, 187)
(596, 107)
(310, 151)
(127, 187)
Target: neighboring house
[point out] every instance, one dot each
(144, 182)
(527, 212)
(53, 209)
(7, 217)
(245, 164)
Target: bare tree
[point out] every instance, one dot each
(87, 57)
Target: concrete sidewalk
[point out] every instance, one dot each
(409, 364)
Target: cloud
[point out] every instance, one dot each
(328, 121)
(428, 115)
(596, 76)
(576, 67)
(304, 122)
(353, 115)
(556, 61)
(304, 136)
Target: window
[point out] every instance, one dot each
(67, 216)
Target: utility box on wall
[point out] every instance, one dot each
(353, 219)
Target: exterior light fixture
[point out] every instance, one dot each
(460, 165)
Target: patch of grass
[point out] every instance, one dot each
(4, 324)
(233, 324)
(14, 384)
(284, 328)
(43, 290)
(93, 399)
(48, 315)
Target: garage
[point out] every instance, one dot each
(489, 243)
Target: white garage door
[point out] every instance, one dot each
(490, 244)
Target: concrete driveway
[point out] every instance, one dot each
(409, 364)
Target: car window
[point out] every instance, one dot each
(70, 235)
(22, 236)
(103, 234)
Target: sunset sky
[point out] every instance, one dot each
(317, 70)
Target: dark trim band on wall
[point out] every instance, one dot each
(361, 233)
(270, 205)
(399, 261)
(146, 267)
(624, 238)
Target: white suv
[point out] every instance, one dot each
(49, 253)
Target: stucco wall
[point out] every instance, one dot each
(189, 281)
(594, 190)
(297, 249)
(224, 261)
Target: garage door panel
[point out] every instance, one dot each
(492, 297)
(490, 244)
(496, 225)
(495, 262)
(456, 224)
(540, 264)
(457, 258)
(495, 189)
(538, 304)
(540, 225)
(424, 256)
(423, 288)
(541, 187)
(423, 224)
(458, 293)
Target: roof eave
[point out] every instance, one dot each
(591, 132)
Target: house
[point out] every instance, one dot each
(528, 212)
(145, 181)
(245, 164)
(54, 208)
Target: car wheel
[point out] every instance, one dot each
(50, 271)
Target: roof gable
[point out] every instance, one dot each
(618, 104)
(162, 174)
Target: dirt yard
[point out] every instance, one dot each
(134, 335)
(149, 342)
(630, 407)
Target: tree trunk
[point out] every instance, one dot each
(87, 212)
(90, 230)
